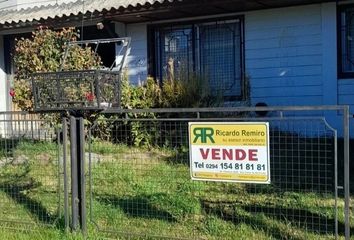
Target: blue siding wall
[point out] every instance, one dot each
(346, 92)
(346, 97)
(290, 58)
(283, 51)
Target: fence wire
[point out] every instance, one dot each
(140, 183)
(29, 172)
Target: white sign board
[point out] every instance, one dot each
(229, 152)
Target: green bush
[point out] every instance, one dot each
(188, 92)
(145, 96)
(193, 92)
(44, 52)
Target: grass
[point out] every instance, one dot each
(147, 192)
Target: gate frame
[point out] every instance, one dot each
(22, 124)
(344, 109)
(342, 112)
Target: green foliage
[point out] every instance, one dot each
(144, 96)
(132, 97)
(44, 52)
(193, 92)
(189, 92)
(140, 97)
(184, 93)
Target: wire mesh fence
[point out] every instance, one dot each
(138, 179)
(140, 183)
(29, 172)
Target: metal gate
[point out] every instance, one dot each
(135, 178)
(140, 184)
(31, 183)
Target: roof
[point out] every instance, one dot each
(130, 11)
(68, 9)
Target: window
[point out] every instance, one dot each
(107, 52)
(210, 49)
(346, 42)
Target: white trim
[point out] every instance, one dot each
(3, 82)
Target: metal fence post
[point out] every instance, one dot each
(66, 193)
(346, 171)
(74, 177)
(77, 139)
(336, 183)
(81, 172)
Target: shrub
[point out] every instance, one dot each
(137, 133)
(188, 92)
(44, 52)
(145, 96)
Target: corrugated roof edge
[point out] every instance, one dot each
(72, 8)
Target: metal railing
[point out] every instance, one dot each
(76, 90)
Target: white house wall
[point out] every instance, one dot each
(3, 85)
(3, 88)
(137, 59)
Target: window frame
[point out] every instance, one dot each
(340, 73)
(151, 46)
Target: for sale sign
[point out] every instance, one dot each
(229, 152)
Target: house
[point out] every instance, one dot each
(292, 52)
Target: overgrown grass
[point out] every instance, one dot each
(143, 193)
